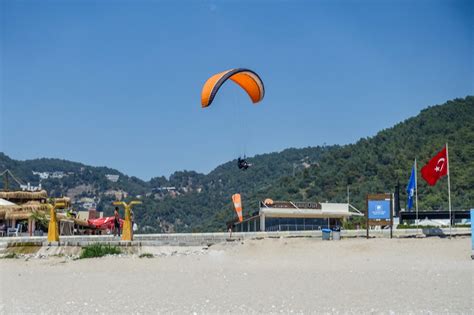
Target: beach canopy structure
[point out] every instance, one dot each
(245, 78)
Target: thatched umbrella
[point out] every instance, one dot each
(18, 215)
(34, 206)
(24, 211)
(7, 209)
(24, 195)
(7, 206)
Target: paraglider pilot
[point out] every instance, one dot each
(242, 163)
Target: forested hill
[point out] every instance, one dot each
(183, 202)
(190, 201)
(374, 165)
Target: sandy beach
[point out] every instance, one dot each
(282, 275)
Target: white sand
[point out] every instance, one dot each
(403, 276)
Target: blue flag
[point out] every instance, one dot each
(411, 189)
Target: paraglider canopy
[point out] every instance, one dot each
(245, 78)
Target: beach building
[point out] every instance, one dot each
(295, 216)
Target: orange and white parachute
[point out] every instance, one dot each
(245, 78)
(237, 205)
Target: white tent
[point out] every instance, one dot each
(4, 202)
(427, 222)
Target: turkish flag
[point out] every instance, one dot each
(436, 168)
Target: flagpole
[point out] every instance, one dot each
(449, 190)
(416, 196)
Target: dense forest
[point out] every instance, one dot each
(190, 201)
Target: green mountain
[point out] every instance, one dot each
(374, 165)
(190, 201)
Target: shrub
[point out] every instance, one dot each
(10, 256)
(99, 250)
(146, 255)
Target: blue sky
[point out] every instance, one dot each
(117, 83)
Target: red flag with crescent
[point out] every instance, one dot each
(436, 168)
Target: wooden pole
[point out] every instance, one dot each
(391, 216)
(30, 226)
(6, 181)
(367, 215)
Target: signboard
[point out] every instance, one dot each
(379, 209)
